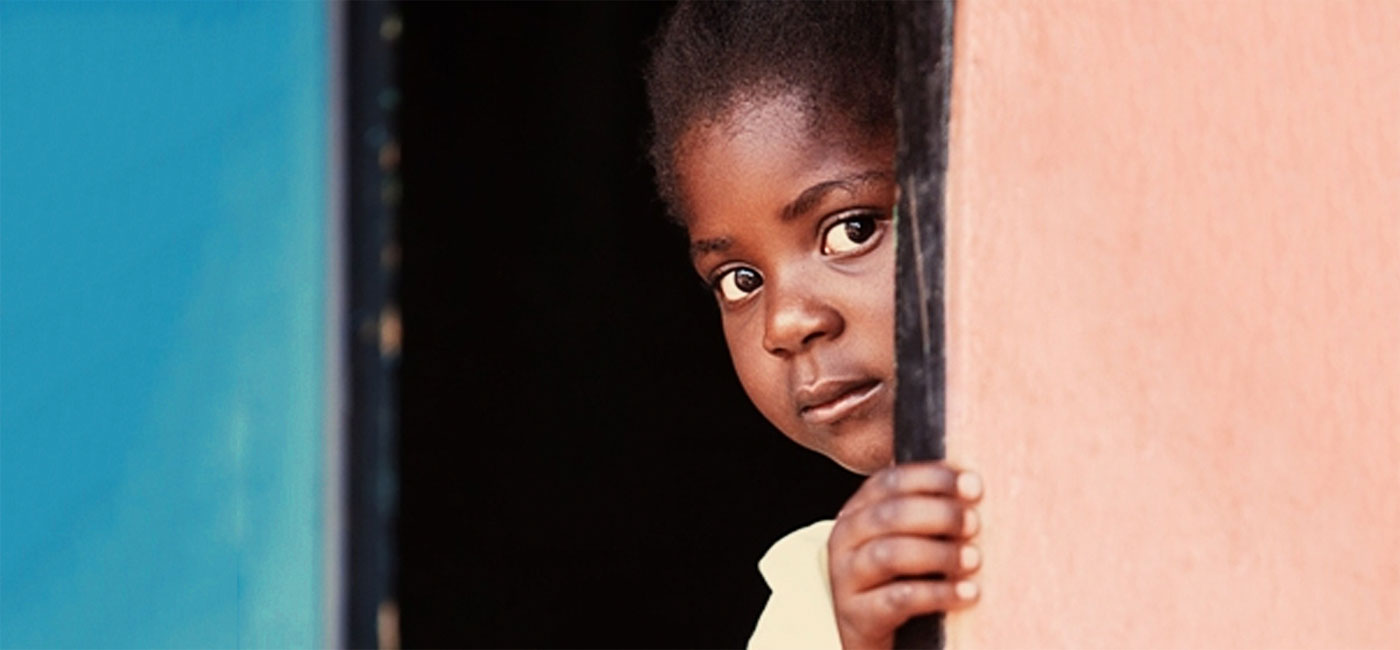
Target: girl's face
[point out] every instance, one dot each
(794, 234)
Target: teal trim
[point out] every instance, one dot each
(162, 312)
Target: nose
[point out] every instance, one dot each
(797, 317)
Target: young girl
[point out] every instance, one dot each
(774, 147)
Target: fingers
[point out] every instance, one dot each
(935, 478)
(889, 606)
(906, 515)
(884, 559)
(899, 549)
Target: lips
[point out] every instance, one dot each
(831, 400)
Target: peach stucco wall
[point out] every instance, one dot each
(1174, 320)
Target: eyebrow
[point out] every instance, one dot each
(701, 246)
(808, 199)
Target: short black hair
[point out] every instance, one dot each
(838, 57)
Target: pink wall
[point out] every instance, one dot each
(1174, 320)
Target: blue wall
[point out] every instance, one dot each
(162, 323)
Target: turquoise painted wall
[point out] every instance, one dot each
(163, 250)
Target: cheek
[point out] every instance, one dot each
(875, 304)
(761, 374)
(886, 307)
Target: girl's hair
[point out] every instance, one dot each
(837, 57)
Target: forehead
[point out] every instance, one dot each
(761, 155)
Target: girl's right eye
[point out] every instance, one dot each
(736, 284)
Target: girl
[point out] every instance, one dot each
(774, 148)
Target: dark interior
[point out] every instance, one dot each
(579, 466)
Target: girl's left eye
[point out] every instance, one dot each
(850, 235)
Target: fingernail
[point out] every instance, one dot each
(966, 590)
(969, 557)
(970, 523)
(969, 485)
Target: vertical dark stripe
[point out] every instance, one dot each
(372, 33)
(924, 60)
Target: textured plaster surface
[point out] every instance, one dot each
(1174, 321)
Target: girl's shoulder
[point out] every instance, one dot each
(799, 611)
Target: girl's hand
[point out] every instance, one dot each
(903, 525)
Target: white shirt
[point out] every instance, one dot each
(799, 613)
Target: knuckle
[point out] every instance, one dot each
(881, 554)
(887, 512)
(889, 478)
(899, 595)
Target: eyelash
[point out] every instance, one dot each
(848, 217)
(879, 219)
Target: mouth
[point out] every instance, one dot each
(830, 401)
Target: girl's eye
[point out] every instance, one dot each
(850, 235)
(737, 284)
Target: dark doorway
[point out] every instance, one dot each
(579, 467)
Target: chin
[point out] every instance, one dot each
(864, 466)
(863, 452)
